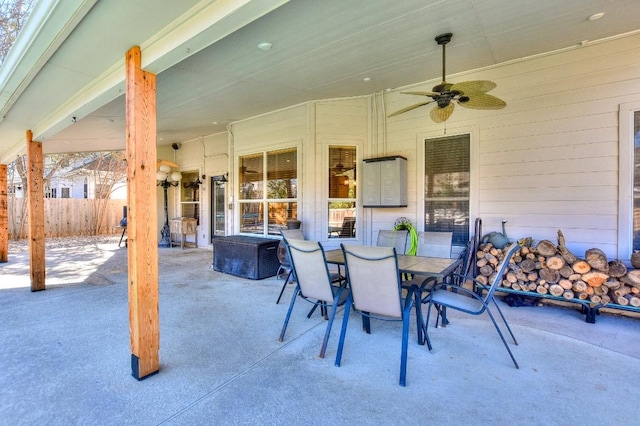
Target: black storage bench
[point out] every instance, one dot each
(245, 256)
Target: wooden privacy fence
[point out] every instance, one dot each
(65, 217)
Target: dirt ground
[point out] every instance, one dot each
(21, 246)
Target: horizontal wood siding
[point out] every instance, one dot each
(549, 160)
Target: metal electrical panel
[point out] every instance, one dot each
(384, 182)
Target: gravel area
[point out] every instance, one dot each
(21, 246)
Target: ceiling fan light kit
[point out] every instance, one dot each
(469, 94)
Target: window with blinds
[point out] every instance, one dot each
(447, 182)
(636, 180)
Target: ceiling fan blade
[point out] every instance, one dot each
(474, 86)
(439, 115)
(483, 101)
(421, 93)
(409, 108)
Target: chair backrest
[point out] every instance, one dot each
(374, 280)
(310, 267)
(348, 229)
(292, 234)
(395, 239)
(500, 270)
(435, 244)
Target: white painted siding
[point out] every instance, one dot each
(549, 160)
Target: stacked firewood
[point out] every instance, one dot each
(547, 268)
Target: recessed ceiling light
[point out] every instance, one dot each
(265, 46)
(596, 16)
(367, 79)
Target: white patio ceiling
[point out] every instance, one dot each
(211, 72)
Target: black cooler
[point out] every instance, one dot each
(245, 256)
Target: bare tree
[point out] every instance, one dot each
(109, 169)
(13, 15)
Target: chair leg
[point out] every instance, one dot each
(505, 321)
(343, 330)
(284, 285)
(334, 308)
(286, 319)
(495, 324)
(406, 319)
(426, 328)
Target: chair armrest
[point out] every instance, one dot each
(457, 289)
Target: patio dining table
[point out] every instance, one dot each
(417, 265)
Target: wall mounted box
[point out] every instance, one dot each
(384, 182)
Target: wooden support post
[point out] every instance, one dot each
(4, 215)
(35, 194)
(142, 228)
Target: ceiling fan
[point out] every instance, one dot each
(469, 94)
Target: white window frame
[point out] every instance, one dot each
(625, 179)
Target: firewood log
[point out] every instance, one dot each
(486, 270)
(541, 289)
(495, 252)
(481, 262)
(549, 275)
(605, 299)
(531, 256)
(581, 296)
(521, 276)
(612, 283)
(595, 298)
(533, 286)
(555, 262)
(574, 277)
(617, 268)
(566, 271)
(506, 283)
(579, 286)
(485, 248)
(511, 277)
(532, 276)
(580, 267)
(633, 300)
(527, 265)
(597, 259)
(595, 278)
(600, 291)
(632, 278)
(546, 248)
(620, 300)
(479, 254)
(516, 286)
(565, 284)
(621, 291)
(562, 248)
(568, 294)
(517, 259)
(524, 251)
(589, 291)
(556, 290)
(482, 279)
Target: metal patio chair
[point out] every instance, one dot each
(374, 281)
(313, 283)
(448, 295)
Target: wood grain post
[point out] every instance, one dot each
(35, 194)
(4, 215)
(142, 217)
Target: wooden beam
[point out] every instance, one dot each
(35, 194)
(4, 215)
(142, 223)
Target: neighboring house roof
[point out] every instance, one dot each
(65, 78)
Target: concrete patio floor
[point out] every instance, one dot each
(64, 356)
